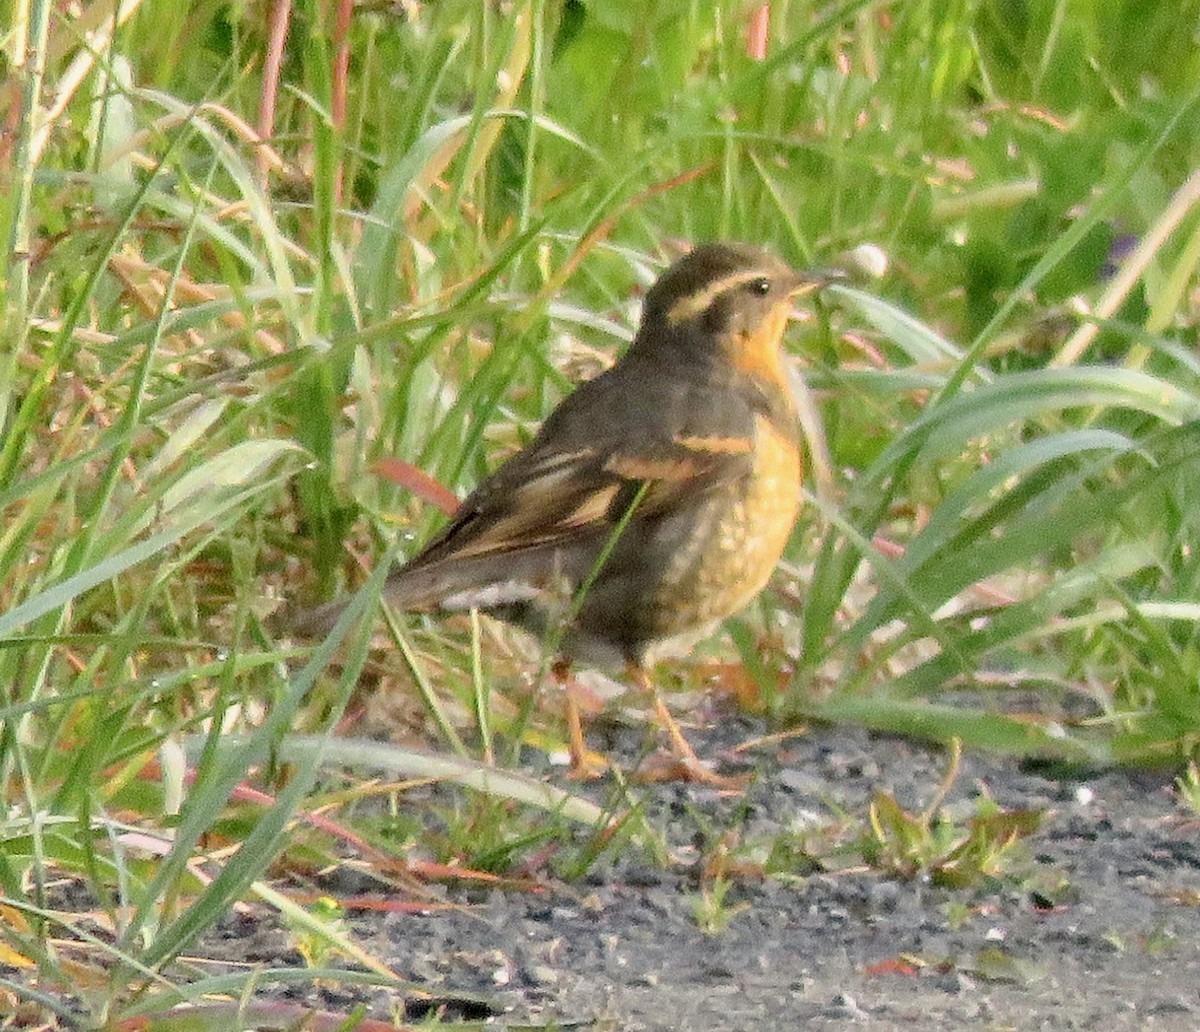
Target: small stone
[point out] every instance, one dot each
(643, 876)
(844, 1006)
(954, 982)
(1176, 1006)
(884, 897)
(542, 974)
(800, 782)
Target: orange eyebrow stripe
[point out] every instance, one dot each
(715, 445)
(691, 305)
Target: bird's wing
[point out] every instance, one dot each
(547, 497)
(637, 436)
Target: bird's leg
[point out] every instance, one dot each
(688, 766)
(585, 765)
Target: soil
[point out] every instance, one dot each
(1094, 923)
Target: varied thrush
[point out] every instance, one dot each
(656, 499)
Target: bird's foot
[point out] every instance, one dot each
(587, 765)
(683, 764)
(671, 767)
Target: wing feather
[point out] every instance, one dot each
(663, 441)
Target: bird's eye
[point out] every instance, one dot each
(760, 286)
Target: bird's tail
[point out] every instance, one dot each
(316, 622)
(403, 591)
(460, 584)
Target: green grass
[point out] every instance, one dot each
(208, 344)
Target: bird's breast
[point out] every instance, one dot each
(752, 535)
(738, 540)
(685, 573)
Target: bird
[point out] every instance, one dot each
(654, 502)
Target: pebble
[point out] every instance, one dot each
(542, 975)
(844, 1006)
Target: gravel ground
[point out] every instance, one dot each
(1095, 925)
(1100, 930)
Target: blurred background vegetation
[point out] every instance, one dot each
(256, 249)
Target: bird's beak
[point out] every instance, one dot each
(808, 280)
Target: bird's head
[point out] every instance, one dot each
(725, 301)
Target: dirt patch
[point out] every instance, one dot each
(1099, 930)
(1094, 925)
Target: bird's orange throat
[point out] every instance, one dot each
(760, 354)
